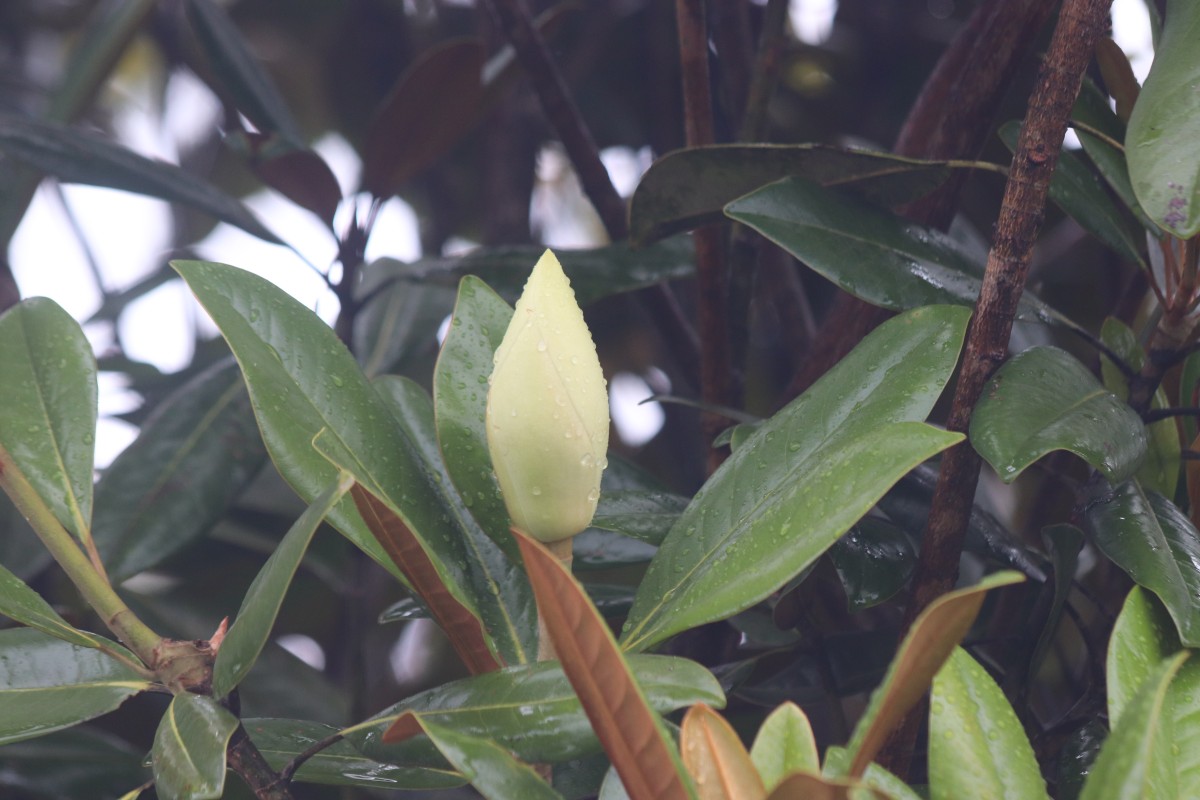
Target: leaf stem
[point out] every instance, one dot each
(562, 550)
(91, 583)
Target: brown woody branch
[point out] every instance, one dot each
(712, 280)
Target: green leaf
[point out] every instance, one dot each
(1156, 544)
(191, 460)
(460, 389)
(396, 328)
(1136, 760)
(1189, 383)
(785, 743)
(837, 759)
(490, 768)
(47, 684)
(252, 625)
(802, 478)
(687, 188)
(929, 642)
(1076, 190)
(302, 380)
(49, 399)
(599, 549)
(21, 604)
(281, 740)
(873, 560)
(496, 584)
(74, 156)
(1143, 636)
(82, 763)
(977, 747)
(594, 274)
(1165, 126)
(239, 73)
(529, 709)
(1092, 109)
(874, 255)
(188, 755)
(1160, 471)
(1078, 756)
(1043, 400)
(639, 514)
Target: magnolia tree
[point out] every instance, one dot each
(802, 596)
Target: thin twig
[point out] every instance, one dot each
(564, 116)
(289, 769)
(712, 281)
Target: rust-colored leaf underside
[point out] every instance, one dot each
(716, 758)
(463, 628)
(622, 719)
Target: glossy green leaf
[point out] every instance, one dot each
(647, 516)
(1141, 639)
(82, 763)
(281, 740)
(491, 769)
(239, 73)
(689, 187)
(977, 747)
(188, 755)
(495, 583)
(75, 156)
(47, 684)
(191, 460)
(1044, 400)
(784, 743)
(1137, 759)
(21, 604)
(20, 549)
(1151, 539)
(256, 617)
(49, 399)
(1165, 126)
(1104, 145)
(1143, 636)
(1078, 756)
(460, 388)
(874, 255)
(837, 759)
(599, 549)
(396, 328)
(303, 380)
(929, 642)
(595, 273)
(803, 478)
(1160, 470)
(873, 560)
(529, 709)
(1075, 189)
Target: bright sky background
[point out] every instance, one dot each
(126, 233)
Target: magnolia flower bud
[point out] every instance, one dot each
(547, 410)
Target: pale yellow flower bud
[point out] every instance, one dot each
(547, 410)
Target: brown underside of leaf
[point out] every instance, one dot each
(933, 636)
(716, 758)
(625, 724)
(463, 628)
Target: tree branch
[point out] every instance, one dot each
(1079, 25)
(712, 280)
